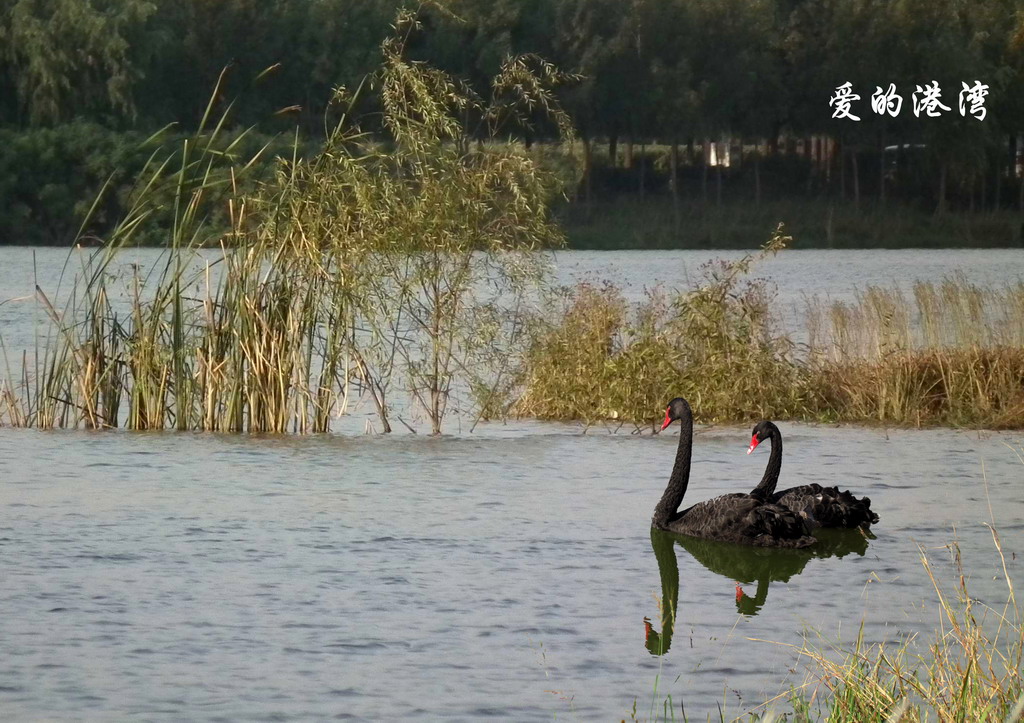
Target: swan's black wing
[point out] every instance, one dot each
(743, 519)
(827, 506)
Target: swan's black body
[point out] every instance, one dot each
(826, 507)
(741, 518)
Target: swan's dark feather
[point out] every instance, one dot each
(740, 518)
(827, 507)
(743, 519)
(821, 507)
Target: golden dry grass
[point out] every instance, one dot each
(952, 354)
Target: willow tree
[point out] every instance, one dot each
(66, 53)
(399, 260)
(419, 245)
(457, 226)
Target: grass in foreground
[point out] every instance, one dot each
(970, 671)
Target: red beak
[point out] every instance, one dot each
(754, 441)
(668, 421)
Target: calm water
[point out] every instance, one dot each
(797, 275)
(505, 573)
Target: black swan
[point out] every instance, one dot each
(821, 506)
(740, 518)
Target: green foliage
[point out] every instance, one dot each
(649, 67)
(959, 362)
(363, 267)
(68, 56)
(630, 223)
(597, 358)
(49, 177)
(53, 179)
(670, 71)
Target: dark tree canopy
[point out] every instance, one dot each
(671, 72)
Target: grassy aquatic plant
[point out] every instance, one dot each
(403, 263)
(954, 355)
(970, 672)
(952, 313)
(599, 357)
(972, 387)
(950, 354)
(375, 264)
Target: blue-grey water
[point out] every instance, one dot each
(504, 573)
(796, 275)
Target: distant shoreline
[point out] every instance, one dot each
(625, 222)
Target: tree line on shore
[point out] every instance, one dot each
(83, 83)
(351, 273)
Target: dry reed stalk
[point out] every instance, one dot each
(970, 672)
(366, 253)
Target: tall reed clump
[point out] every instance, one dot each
(953, 355)
(970, 672)
(599, 357)
(386, 262)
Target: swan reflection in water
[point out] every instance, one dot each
(743, 564)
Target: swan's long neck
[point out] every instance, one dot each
(767, 484)
(680, 476)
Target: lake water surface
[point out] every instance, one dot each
(501, 574)
(797, 275)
